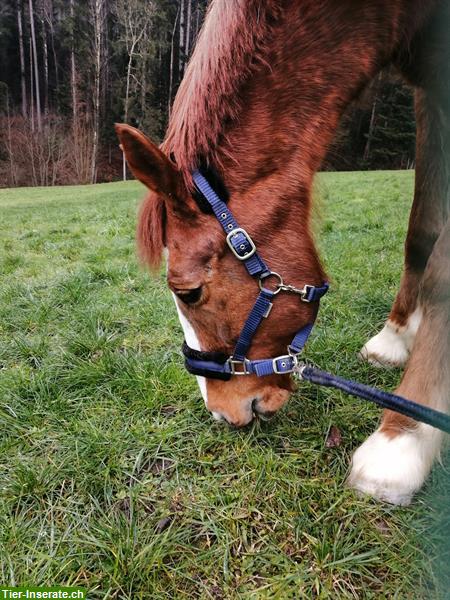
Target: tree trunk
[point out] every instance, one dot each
(144, 83)
(172, 57)
(23, 85)
(104, 78)
(98, 6)
(30, 53)
(73, 74)
(197, 18)
(9, 145)
(45, 49)
(187, 43)
(49, 18)
(36, 70)
(181, 58)
(366, 154)
(127, 99)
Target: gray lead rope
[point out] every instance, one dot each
(406, 407)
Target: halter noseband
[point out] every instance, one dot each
(215, 365)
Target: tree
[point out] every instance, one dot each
(172, 62)
(136, 19)
(23, 85)
(373, 114)
(393, 142)
(48, 16)
(36, 68)
(378, 130)
(71, 73)
(182, 35)
(98, 16)
(95, 62)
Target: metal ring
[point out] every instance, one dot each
(279, 285)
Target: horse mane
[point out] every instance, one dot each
(231, 44)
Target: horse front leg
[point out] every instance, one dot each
(393, 344)
(393, 463)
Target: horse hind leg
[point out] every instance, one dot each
(392, 345)
(393, 463)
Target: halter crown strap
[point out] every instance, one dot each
(239, 241)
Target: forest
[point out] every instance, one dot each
(70, 69)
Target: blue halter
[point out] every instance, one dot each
(216, 366)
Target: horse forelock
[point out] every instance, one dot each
(230, 44)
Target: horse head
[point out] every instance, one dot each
(212, 290)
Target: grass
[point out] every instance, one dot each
(112, 474)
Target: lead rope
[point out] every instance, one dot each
(406, 407)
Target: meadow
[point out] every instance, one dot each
(114, 477)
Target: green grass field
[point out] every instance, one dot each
(114, 477)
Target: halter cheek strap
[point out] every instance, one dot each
(244, 249)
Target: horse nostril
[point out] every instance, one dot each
(189, 296)
(265, 415)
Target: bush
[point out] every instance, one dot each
(59, 154)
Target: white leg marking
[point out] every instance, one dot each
(391, 347)
(393, 469)
(192, 341)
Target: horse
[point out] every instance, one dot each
(256, 111)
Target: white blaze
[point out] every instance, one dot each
(192, 341)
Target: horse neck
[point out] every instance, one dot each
(318, 61)
(290, 108)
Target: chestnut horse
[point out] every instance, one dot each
(261, 98)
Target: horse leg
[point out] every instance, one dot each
(391, 347)
(393, 463)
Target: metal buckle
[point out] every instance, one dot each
(305, 291)
(232, 234)
(233, 363)
(284, 357)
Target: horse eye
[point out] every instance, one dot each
(189, 296)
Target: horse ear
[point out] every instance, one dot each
(147, 162)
